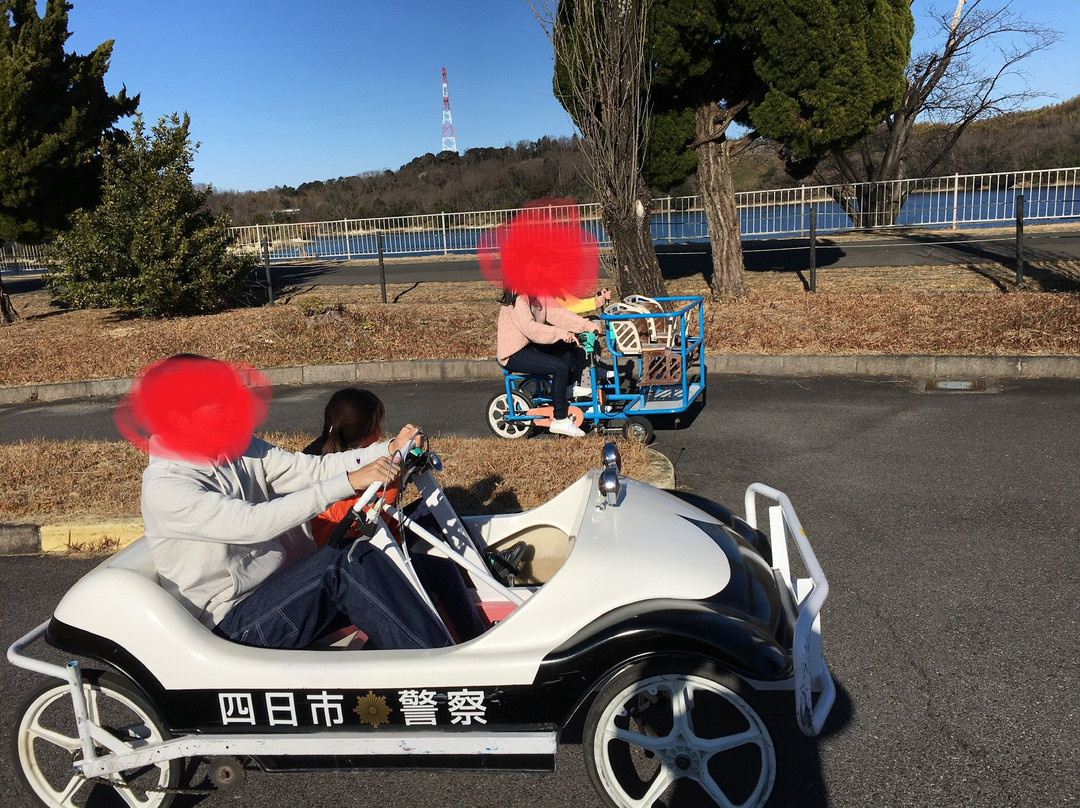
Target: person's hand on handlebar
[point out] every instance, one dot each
(401, 440)
(379, 471)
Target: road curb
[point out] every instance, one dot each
(426, 370)
(1005, 367)
(62, 538)
(32, 539)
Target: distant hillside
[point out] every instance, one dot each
(508, 177)
(480, 179)
(1048, 137)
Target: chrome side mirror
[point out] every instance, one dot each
(609, 485)
(434, 462)
(611, 457)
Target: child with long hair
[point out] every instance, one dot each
(353, 419)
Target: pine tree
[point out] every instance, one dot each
(151, 247)
(811, 75)
(54, 115)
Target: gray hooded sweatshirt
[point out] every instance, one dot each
(218, 530)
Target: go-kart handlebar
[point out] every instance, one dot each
(588, 340)
(413, 458)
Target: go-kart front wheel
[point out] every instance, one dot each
(678, 734)
(46, 743)
(497, 410)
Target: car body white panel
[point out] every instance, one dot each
(632, 551)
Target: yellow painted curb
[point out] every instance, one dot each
(62, 538)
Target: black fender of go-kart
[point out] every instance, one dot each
(758, 540)
(570, 674)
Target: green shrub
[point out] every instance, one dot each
(151, 247)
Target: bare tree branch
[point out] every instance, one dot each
(599, 48)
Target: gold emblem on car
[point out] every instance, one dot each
(372, 709)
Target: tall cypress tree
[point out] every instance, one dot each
(54, 115)
(810, 75)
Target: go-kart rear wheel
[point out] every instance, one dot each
(638, 427)
(678, 734)
(497, 410)
(46, 743)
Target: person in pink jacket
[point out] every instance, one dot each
(537, 335)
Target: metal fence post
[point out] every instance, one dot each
(1019, 241)
(955, 197)
(265, 242)
(442, 221)
(813, 250)
(382, 267)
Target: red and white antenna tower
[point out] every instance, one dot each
(449, 143)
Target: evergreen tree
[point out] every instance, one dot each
(54, 114)
(811, 75)
(151, 246)
(960, 81)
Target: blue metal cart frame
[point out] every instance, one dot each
(657, 359)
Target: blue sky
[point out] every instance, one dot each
(282, 93)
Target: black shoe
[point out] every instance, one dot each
(505, 564)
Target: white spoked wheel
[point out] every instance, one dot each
(497, 410)
(46, 744)
(679, 737)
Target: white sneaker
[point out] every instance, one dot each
(578, 391)
(565, 426)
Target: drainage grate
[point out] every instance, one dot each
(956, 386)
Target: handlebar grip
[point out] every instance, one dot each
(337, 535)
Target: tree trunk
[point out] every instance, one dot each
(718, 195)
(636, 270)
(7, 310)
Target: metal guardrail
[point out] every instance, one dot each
(15, 257)
(957, 201)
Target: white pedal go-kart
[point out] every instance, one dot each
(667, 635)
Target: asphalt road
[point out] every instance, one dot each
(679, 260)
(945, 523)
(778, 255)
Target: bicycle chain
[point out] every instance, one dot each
(195, 792)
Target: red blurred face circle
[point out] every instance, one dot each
(542, 252)
(194, 408)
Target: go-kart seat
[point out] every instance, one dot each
(660, 328)
(137, 577)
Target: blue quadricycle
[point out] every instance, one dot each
(656, 347)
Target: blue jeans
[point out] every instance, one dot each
(560, 360)
(324, 590)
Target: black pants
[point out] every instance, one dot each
(560, 360)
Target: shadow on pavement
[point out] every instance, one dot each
(764, 255)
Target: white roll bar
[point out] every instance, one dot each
(811, 672)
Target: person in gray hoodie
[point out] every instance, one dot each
(228, 526)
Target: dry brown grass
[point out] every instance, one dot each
(81, 480)
(921, 310)
(84, 481)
